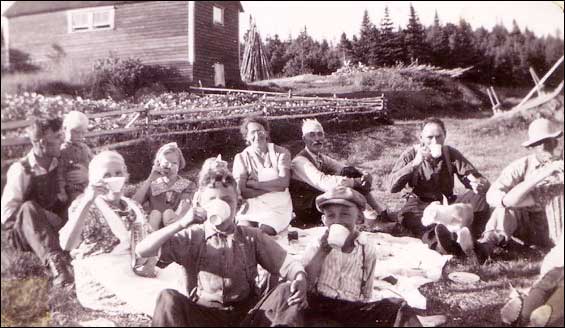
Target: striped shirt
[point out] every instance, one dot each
(348, 276)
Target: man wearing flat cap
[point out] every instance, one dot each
(528, 195)
(314, 173)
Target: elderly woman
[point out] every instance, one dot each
(262, 172)
(102, 220)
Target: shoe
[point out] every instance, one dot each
(61, 270)
(540, 316)
(512, 310)
(445, 241)
(467, 244)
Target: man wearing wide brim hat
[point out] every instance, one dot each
(528, 195)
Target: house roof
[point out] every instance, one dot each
(21, 8)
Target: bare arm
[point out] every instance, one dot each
(142, 192)
(13, 195)
(150, 246)
(313, 260)
(70, 234)
(520, 195)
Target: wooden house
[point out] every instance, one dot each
(199, 38)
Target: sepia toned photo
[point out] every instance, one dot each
(282, 163)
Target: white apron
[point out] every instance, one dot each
(273, 209)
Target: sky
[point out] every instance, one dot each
(328, 19)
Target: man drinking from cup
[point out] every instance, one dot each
(220, 260)
(427, 170)
(340, 268)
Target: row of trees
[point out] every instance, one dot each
(499, 56)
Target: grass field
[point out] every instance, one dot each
(373, 149)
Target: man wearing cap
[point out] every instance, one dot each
(427, 171)
(340, 268)
(528, 195)
(314, 173)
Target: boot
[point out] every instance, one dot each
(61, 270)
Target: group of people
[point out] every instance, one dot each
(63, 202)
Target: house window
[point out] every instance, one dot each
(91, 19)
(218, 14)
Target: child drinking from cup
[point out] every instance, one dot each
(168, 195)
(340, 268)
(74, 152)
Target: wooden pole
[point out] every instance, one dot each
(545, 77)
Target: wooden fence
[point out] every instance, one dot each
(147, 122)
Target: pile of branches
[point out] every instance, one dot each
(255, 65)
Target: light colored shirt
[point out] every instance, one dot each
(347, 276)
(223, 267)
(553, 259)
(17, 182)
(515, 173)
(313, 174)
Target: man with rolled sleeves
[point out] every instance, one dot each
(427, 170)
(31, 212)
(528, 195)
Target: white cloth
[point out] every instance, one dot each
(273, 209)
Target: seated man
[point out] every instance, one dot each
(220, 260)
(528, 195)
(314, 173)
(341, 265)
(428, 169)
(31, 212)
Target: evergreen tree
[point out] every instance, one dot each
(366, 39)
(414, 38)
(437, 41)
(345, 48)
(275, 51)
(389, 50)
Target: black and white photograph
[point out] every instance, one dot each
(282, 163)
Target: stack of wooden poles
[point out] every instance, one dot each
(255, 65)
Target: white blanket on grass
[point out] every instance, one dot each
(106, 282)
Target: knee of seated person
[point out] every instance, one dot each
(268, 230)
(169, 216)
(29, 205)
(246, 223)
(168, 297)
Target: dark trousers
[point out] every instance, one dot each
(173, 309)
(548, 290)
(36, 229)
(410, 215)
(392, 312)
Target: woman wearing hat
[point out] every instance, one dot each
(528, 195)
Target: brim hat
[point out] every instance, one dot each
(542, 129)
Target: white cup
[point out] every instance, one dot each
(338, 235)
(435, 150)
(115, 184)
(217, 211)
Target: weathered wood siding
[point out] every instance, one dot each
(154, 31)
(216, 43)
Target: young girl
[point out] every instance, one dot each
(102, 220)
(168, 195)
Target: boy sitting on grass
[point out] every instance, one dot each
(340, 268)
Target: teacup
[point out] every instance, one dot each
(338, 235)
(115, 184)
(435, 150)
(217, 211)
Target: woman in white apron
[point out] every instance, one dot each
(262, 171)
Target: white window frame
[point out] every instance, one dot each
(90, 27)
(222, 11)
